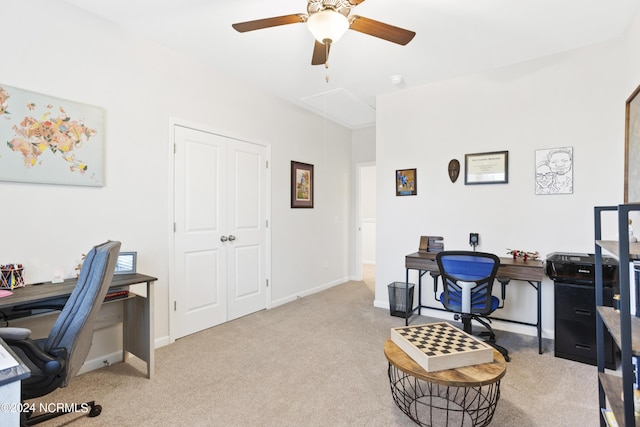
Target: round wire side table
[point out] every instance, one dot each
(464, 396)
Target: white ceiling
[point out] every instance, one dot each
(454, 37)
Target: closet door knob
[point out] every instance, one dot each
(223, 238)
(232, 237)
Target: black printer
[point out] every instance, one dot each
(580, 269)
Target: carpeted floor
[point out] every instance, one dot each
(317, 361)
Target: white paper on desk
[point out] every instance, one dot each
(6, 360)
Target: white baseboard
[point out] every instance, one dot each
(325, 286)
(496, 324)
(161, 342)
(114, 357)
(381, 304)
(101, 362)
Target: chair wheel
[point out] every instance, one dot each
(95, 411)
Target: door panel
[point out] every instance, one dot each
(248, 182)
(201, 186)
(201, 267)
(247, 222)
(220, 230)
(200, 257)
(247, 283)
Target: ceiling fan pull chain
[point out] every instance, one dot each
(327, 45)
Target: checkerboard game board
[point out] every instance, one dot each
(439, 346)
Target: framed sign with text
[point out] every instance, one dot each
(486, 168)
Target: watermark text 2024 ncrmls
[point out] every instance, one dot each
(44, 407)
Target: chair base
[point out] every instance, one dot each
(491, 336)
(88, 408)
(491, 340)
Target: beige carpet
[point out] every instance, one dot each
(317, 361)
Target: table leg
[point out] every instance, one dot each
(539, 323)
(408, 310)
(138, 323)
(420, 273)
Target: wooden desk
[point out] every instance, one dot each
(530, 271)
(449, 397)
(138, 321)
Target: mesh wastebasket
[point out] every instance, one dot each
(399, 304)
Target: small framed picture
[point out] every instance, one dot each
(126, 263)
(406, 182)
(301, 185)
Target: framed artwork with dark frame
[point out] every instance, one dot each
(301, 185)
(486, 168)
(632, 149)
(406, 182)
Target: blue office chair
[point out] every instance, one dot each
(468, 284)
(55, 360)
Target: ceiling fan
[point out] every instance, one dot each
(328, 20)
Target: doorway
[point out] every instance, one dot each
(366, 222)
(220, 236)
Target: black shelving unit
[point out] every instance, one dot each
(625, 329)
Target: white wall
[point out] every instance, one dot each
(573, 99)
(57, 50)
(363, 145)
(631, 46)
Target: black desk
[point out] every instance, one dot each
(138, 322)
(530, 271)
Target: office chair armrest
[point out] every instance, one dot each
(15, 333)
(50, 364)
(504, 281)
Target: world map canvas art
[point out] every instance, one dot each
(50, 140)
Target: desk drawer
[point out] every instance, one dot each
(421, 264)
(577, 341)
(521, 271)
(575, 304)
(578, 303)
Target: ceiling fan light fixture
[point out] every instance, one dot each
(327, 25)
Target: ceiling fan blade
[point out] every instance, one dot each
(381, 30)
(259, 24)
(355, 2)
(319, 53)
